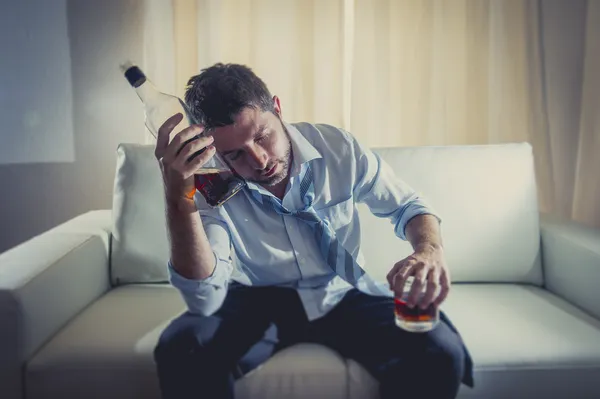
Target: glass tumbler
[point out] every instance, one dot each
(416, 319)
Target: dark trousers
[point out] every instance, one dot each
(207, 354)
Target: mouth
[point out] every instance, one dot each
(271, 171)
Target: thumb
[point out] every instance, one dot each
(164, 132)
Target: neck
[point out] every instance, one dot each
(278, 189)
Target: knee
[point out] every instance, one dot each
(440, 356)
(447, 359)
(434, 372)
(445, 351)
(185, 336)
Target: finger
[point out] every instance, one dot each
(399, 279)
(162, 140)
(392, 273)
(420, 273)
(196, 163)
(193, 148)
(445, 283)
(433, 283)
(180, 140)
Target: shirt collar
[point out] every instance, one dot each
(302, 150)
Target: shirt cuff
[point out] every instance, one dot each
(415, 208)
(218, 279)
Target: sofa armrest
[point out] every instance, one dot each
(45, 282)
(571, 260)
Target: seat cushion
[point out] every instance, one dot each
(106, 352)
(525, 343)
(299, 372)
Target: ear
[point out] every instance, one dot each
(277, 105)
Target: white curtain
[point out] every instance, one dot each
(414, 72)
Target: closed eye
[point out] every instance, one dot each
(234, 156)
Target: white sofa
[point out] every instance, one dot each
(82, 305)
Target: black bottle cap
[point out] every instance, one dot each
(135, 76)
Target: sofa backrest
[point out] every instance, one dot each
(485, 195)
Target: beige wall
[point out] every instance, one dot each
(36, 197)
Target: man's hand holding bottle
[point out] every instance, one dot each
(179, 158)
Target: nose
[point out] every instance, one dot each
(257, 158)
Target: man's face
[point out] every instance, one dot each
(256, 145)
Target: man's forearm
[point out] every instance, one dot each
(191, 254)
(423, 232)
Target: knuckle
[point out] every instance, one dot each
(176, 142)
(183, 137)
(187, 150)
(202, 158)
(205, 139)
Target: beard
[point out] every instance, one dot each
(277, 178)
(284, 161)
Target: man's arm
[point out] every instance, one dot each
(200, 266)
(423, 232)
(191, 254)
(195, 266)
(386, 195)
(414, 220)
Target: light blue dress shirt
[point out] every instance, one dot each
(256, 246)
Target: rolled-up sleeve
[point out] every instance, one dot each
(205, 296)
(385, 194)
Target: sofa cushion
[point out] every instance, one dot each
(140, 248)
(525, 343)
(486, 198)
(299, 372)
(106, 352)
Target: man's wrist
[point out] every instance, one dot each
(182, 205)
(428, 246)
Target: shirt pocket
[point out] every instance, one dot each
(338, 215)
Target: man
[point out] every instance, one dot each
(285, 287)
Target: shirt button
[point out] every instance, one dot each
(301, 261)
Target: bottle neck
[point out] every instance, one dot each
(147, 92)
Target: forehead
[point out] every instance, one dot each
(246, 124)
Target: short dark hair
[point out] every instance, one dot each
(220, 92)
